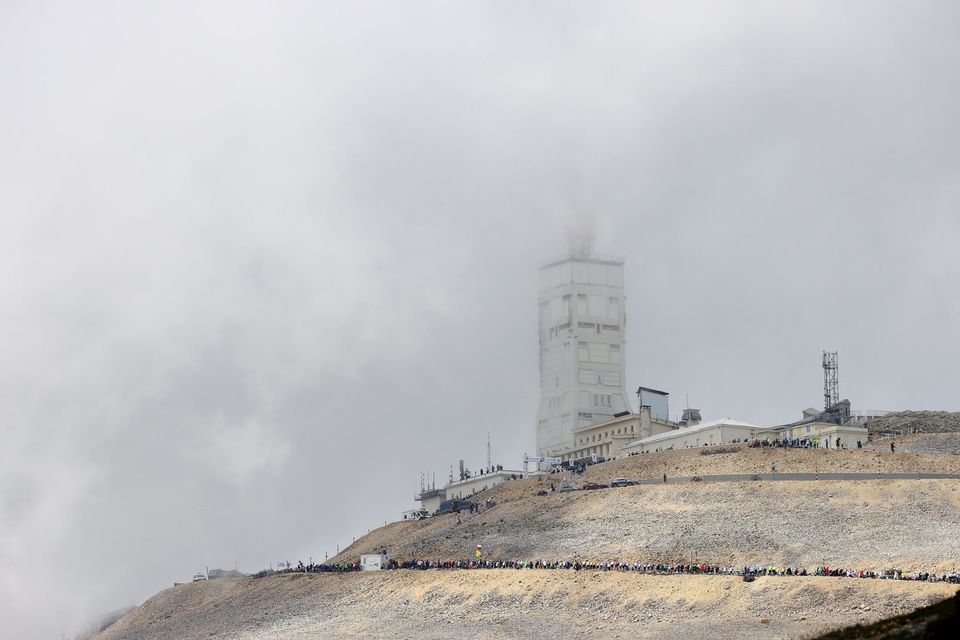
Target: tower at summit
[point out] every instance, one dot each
(581, 346)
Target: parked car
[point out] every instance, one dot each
(623, 482)
(566, 488)
(594, 485)
(449, 506)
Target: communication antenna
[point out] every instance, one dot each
(488, 451)
(831, 388)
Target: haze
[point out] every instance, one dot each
(265, 263)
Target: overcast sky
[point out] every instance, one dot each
(263, 264)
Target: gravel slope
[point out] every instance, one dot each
(907, 524)
(872, 524)
(428, 605)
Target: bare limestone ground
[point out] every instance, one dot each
(434, 605)
(925, 443)
(870, 524)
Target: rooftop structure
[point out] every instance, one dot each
(658, 401)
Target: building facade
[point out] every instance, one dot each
(430, 499)
(582, 328)
(726, 431)
(463, 489)
(611, 438)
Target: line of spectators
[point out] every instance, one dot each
(647, 568)
(799, 443)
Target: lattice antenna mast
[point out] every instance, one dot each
(831, 388)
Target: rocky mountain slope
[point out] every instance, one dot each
(903, 422)
(535, 604)
(870, 524)
(859, 524)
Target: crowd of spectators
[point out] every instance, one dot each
(638, 567)
(798, 443)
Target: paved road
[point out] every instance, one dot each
(779, 477)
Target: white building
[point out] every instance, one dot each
(725, 431)
(823, 434)
(611, 438)
(582, 323)
(374, 562)
(705, 433)
(463, 489)
(430, 499)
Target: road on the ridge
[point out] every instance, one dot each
(778, 477)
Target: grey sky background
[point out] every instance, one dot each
(264, 263)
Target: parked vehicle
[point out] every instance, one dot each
(566, 488)
(623, 482)
(594, 485)
(450, 506)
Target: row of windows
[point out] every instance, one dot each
(602, 400)
(598, 352)
(605, 378)
(581, 272)
(600, 450)
(558, 310)
(606, 434)
(598, 306)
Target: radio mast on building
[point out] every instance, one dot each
(831, 388)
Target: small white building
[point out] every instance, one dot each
(823, 434)
(706, 433)
(463, 489)
(374, 562)
(430, 499)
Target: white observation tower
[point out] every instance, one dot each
(581, 346)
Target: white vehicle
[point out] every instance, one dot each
(415, 514)
(197, 577)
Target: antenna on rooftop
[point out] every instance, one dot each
(488, 451)
(831, 388)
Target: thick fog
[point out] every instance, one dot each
(263, 264)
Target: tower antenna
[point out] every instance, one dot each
(488, 452)
(831, 388)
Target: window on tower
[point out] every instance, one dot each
(614, 354)
(583, 352)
